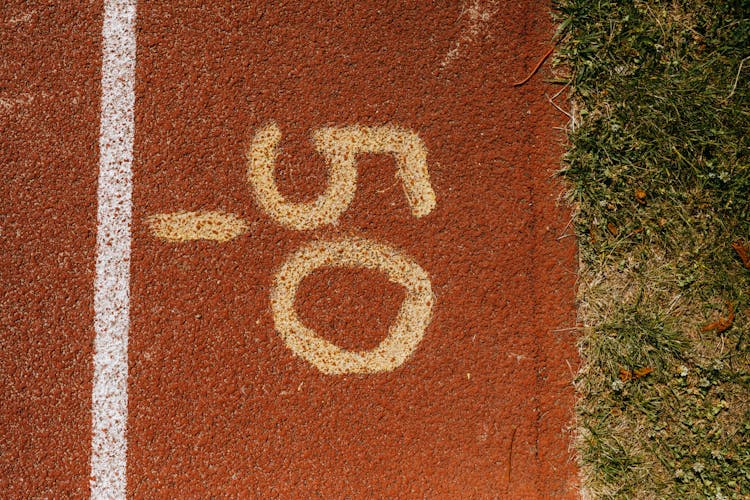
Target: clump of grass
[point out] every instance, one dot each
(659, 169)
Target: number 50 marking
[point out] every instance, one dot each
(339, 146)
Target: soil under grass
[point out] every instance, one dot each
(659, 173)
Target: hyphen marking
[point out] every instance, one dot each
(178, 227)
(109, 409)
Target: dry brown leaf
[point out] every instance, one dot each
(742, 251)
(722, 324)
(627, 375)
(642, 372)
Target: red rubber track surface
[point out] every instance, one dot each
(50, 72)
(218, 405)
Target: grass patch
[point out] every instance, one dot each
(659, 173)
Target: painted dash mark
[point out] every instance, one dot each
(109, 407)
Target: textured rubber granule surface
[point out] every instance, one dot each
(50, 68)
(218, 403)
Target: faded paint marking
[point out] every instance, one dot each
(188, 226)
(340, 147)
(403, 336)
(477, 17)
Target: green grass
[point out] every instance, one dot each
(659, 173)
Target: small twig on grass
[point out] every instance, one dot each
(557, 94)
(551, 101)
(736, 79)
(536, 68)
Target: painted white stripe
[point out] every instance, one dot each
(112, 283)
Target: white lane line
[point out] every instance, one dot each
(109, 410)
